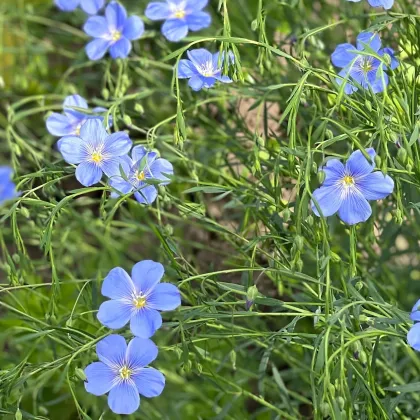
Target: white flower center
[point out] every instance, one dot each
(115, 35)
(178, 10)
(207, 69)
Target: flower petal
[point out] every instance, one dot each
(116, 16)
(149, 382)
(96, 26)
(186, 69)
(146, 194)
(349, 87)
(370, 39)
(140, 352)
(121, 49)
(138, 153)
(175, 29)
(146, 275)
(74, 101)
(334, 171)
(354, 208)
(97, 48)
(111, 166)
(100, 378)
(92, 7)
(195, 5)
(160, 167)
(394, 62)
(386, 4)
(375, 186)
(164, 297)
(124, 398)
(121, 186)
(117, 144)
(145, 322)
(329, 199)
(72, 149)
(198, 20)
(111, 350)
(413, 337)
(87, 173)
(196, 83)
(157, 11)
(343, 55)
(200, 56)
(59, 125)
(357, 165)
(115, 314)
(118, 284)
(415, 312)
(67, 5)
(93, 132)
(134, 28)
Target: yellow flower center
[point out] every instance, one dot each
(125, 372)
(116, 35)
(348, 180)
(139, 301)
(77, 131)
(97, 157)
(366, 65)
(179, 14)
(140, 175)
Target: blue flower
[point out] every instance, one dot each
(180, 16)
(386, 4)
(122, 372)
(347, 188)
(7, 187)
(141, 174)
(415, 312)
(413, 336)
(364, 69)
(71, 122)
(202, 69)
(94, 151)
(89, 6)
(114, 31)
(137, 298)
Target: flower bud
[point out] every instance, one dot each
(251, 295)
(127, 120)
(232, 357)
(402, 155)
(80, 374)
(378, 161)
(286, 214)
(368, 105)
(341, 402)
(18, 415)
(310, 220)
(321, 177)
(325, 409)
(105, 94)
(299, 242)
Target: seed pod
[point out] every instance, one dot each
(286, 214)
(341, 402)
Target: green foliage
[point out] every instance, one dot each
(326, 335)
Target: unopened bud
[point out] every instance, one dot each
(402, 155)
(251, 295)
(80, 374)
(321, 177)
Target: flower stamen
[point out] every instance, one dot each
(115, 35)
(97, 157)
(125, 373)
(348, 181)
(139, 301)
